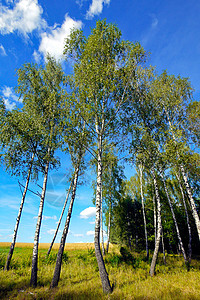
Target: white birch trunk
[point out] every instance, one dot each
(174, 217)
(154, 218)
(33, 281)
(188, 221)
(57, 270)
(193, 206)
(143, 211)
(159, 228)
(194, 210)
(102, 270)
(12, 246)
(102, 239)
(60, 219)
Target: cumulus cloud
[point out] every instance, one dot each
(90, 232)
(52, 42)
(2, 51)
(88, 212)
(96, 8)
(9, 97)
(24, 17)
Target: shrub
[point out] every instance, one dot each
(127, 257)
(2, 260)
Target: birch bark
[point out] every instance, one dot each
(102, 239)
(193, 206)
(154, 218)
(102, 270)
(12, 246)
(59, 222)
(57, 270)
(143, 212)
(174, 217)
(187, 186)
(188, 221)
(159, 228)
(33, 281)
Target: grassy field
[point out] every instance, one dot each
(129, 273)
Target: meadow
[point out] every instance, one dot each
(128, 272)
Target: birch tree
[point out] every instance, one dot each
(104, 65)
(171, 96)
(42, 94)
(76, 147)
(19, 143)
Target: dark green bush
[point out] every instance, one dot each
(127, 257)
(2, 260)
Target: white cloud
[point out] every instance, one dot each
(10, 99)
(2, 51)
(47, 217)
(5, 230)
(78, 234)
(9, 105)
(152, 29)
(8, 93)
(23, 17)
(37, 56)
(96, 8)
(154, 21)
(53, 42)
(88, 212)
(80, 2)
(92, 222)
(52, 231)
(90, 232)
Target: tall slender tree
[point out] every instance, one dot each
(103, 69)
(19, 143)
(171, 96)
(77, 150)
(143, 210)
(42, 94)
(60, 219)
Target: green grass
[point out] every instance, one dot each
(129, 273)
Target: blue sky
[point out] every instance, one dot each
(170, 30)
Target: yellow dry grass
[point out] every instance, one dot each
(68, 246)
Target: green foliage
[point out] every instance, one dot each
(51, 258)
(126, 255)
(112, 105)
(127, 223)
(2, 260)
